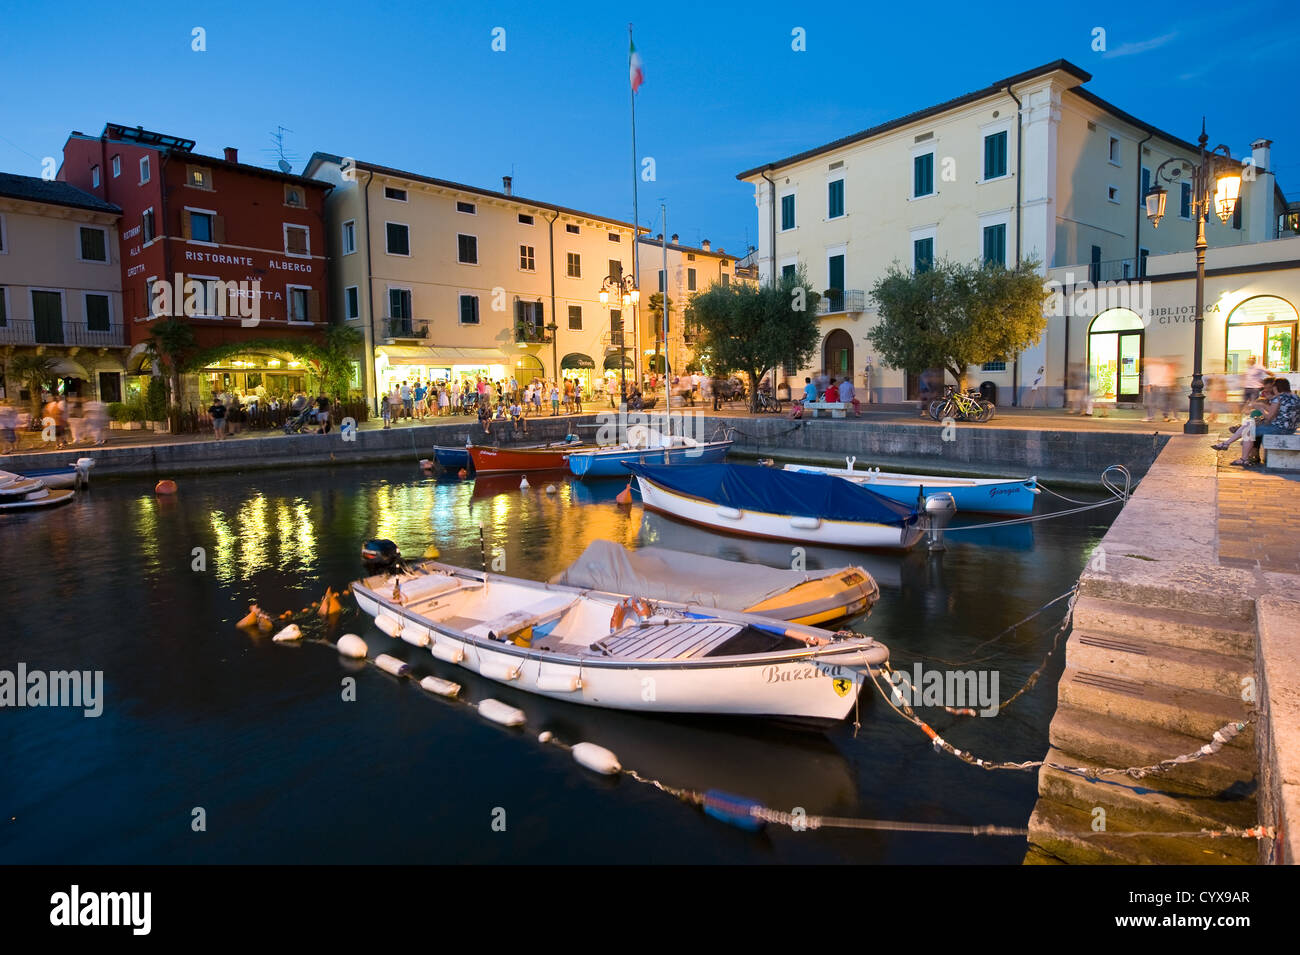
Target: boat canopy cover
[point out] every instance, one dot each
(657, 573)
(774, 491)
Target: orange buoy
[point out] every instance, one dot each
(643, 608)
(251, 619)
(426, 464)
(264, 622)
(619, 615)
(625, 495)
(462, 473)
(165, 486)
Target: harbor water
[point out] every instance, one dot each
(214, 746)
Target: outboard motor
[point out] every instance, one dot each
(382, 556)
(939, 508)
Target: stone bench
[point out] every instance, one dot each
(836, 409)
(1282, 451)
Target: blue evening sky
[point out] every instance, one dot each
(417, 86)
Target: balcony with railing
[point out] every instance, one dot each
(530, 333)
(405, 329)
(842, 301)
(13, 332)
(1107, 270)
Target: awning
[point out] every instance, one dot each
(611, 361)
(442, 357)
(576, 360)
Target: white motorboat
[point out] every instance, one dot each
(763, 502)
(74, 475)
(609, 650)
(25, 495)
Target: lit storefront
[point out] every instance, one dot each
(576, 365)
(395, 364)
(263, 376)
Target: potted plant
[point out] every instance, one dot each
(134, 415)
(155, 404)
(116, 414)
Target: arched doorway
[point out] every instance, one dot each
(528, 367)
(1115, 342)
(1263, 327)
(837, 354)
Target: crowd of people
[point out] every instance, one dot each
(490, 400)
(1272, 408)
(827, 388)
(75, 421)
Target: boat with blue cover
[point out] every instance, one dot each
(786, 505)
(989, 495)
(451, 458)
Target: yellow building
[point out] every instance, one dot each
(690, 270)
(451, 282)
(60, 287)
(1032, 166)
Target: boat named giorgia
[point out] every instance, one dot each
(646, 446)
(488, 459)
(763, 502)
(613, 650)
(991, 495)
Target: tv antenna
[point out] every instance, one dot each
(284, 158)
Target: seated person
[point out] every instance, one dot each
(485, 417)
(1279, 418)
(517, 418)
(848, 397)
(1254, 412)
(809, 390)
(832, 392)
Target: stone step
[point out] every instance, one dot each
(1148, 804)
(1191, 712)
(1065, 833)
(1179, 628)
(1158, 663)
(1199, 588)
(1107, 741)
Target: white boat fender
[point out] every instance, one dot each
(390, 625)
(85, 464)
(500, 671)
(391, 665)
(442, 687)
(448, 652)
(499, 712)
(552, 489)
(545, 736)
(523, 483)
(288, 634)
(558, 684)
(416, 636)
(730, 513)
(352, 646)
(596, 758)
(806, 523)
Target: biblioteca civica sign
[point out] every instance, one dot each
(1178, 314)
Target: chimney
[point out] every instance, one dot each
(1258, 194)
(674, 238)
(660, 236)
(232, 154)
(705, 245)
(721, 250)
(505, 184)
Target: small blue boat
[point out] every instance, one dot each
(608, 462)
(450, 458)
(988, 495)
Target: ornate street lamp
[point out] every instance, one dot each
(624, 291)
(1215, 183)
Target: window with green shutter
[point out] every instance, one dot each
(835, 199)
(787, 212)
(922, 255)
(398, 238)
(923, 175)
(469, 309)
(995, 155)
(835, 278)
(575, 318)
(995, 244)
(93, 245)
(97, 313)
(690, 280)
(788, 271)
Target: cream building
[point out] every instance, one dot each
(1032, 166)
(689, 271)
(60, 286)
(449, 282)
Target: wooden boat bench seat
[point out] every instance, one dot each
(533, 615)
(679, 640)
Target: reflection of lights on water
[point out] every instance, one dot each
(146, 526)
(247, 543)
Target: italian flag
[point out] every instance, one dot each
(635, 70)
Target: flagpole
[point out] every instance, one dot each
(636, 221)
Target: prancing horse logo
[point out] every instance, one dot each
(842, 685)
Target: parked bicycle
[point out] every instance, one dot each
(768, 402)
(962, 406)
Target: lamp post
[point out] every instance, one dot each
(623, 289)
(1216, 167)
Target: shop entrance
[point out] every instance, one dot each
(1115, 343)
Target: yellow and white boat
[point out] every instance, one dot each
(808, 597)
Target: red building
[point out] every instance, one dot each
(194, 221)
